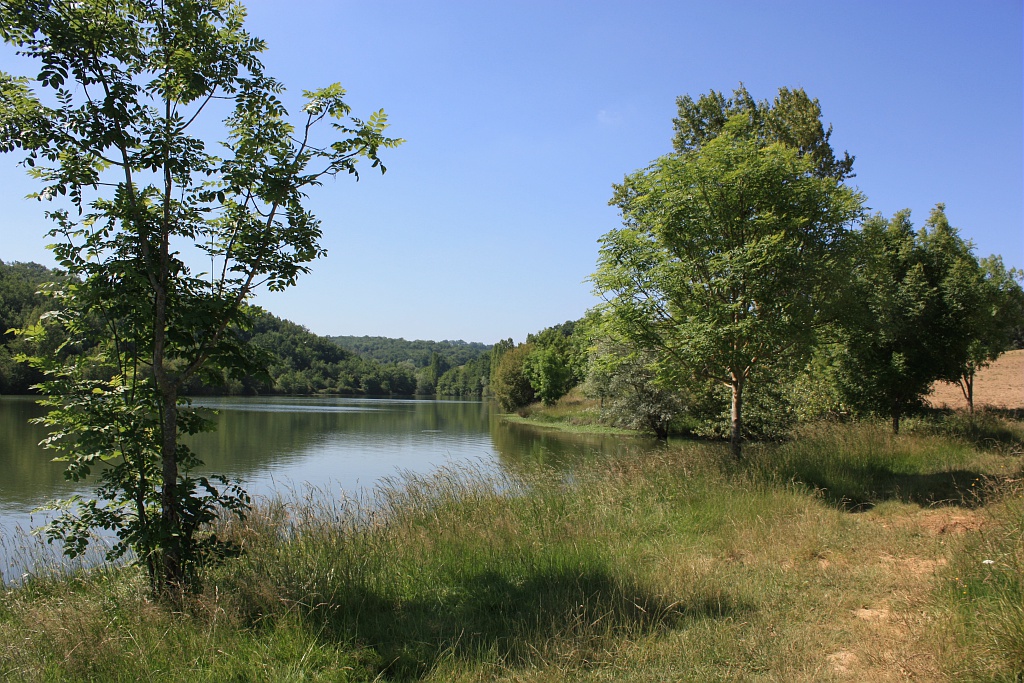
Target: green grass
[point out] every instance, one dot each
(981, 594)
(675, 566)
(572, 413)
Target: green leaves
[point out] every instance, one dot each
(130, 79)
(729, 248)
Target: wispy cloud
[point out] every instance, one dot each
(609, 117)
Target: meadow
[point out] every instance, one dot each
(845, 553)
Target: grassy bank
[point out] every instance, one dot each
(845, 554)
(571, 413)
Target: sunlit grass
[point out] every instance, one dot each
(981, 594)
(678, 565)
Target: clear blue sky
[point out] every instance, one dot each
(520, 115)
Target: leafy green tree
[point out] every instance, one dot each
(129, 80)
(549, 374)
(909, 314)
(510, 383)
(728, 253)
(792, 119)
(982, 303)
(992, 324)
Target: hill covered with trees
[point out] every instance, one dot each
(21, 305)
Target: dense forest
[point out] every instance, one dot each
(21, 305)
(297, 361)
(418, 352)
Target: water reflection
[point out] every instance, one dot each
(270, 443)
(522, 446)
(29, 477)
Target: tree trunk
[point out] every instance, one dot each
(736, 434)
(167, 395)
(169, 513)
(969, 383)
(896, 419)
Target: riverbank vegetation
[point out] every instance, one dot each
(747, 297)
(845, 553)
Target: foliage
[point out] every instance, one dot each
(792, 119)
(470, 380)
(419, 352)
(633, 391)
(548, 373)
(128, 82)
(510, 383)
(21, 305)
(990, 309)
(908, 315)
(768, 411)
(728, 254)
(300, 362)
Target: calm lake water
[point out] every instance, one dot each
(279, 444)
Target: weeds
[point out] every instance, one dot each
(981, 593)
(675, 566)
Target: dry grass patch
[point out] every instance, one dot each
(1000, 385)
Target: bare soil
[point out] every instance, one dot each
(1000, 385)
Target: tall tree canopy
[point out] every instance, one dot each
(793, 119)
(126, 82)
(727, 255)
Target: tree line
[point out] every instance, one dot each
(748, 286)
(295, 360)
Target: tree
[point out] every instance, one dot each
(993, 323)
(908, 313)
(129, 80)
(548, 373)
(729, 252)
(793, 119)
(510, 383)
(982, 302)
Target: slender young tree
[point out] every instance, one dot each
(123, 86)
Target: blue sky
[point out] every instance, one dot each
(520, 115)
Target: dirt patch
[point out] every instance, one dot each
(1000, 385)
(940, 522)
(843, 662)
(871, 614)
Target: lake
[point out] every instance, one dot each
(287, 443)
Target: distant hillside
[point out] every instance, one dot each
(20, 306)
(419, 352)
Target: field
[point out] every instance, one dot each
(1001, 385)
(846, 554)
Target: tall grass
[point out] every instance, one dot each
(677, 565)
(981, 594)
(860, 465)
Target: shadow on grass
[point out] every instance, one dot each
(860, 488)
(490, 617)
(993, 429)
